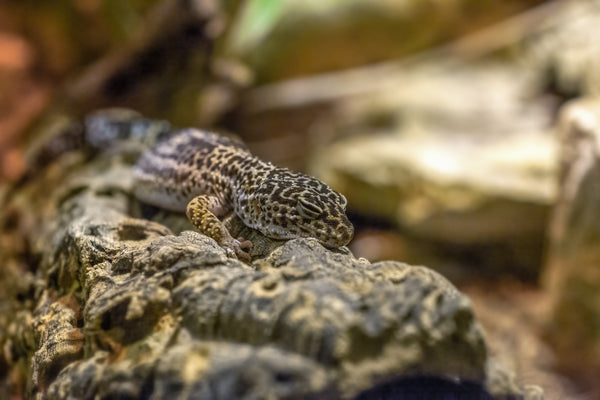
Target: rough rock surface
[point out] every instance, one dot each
(116, 304)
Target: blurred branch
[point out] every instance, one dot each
(331, 86)
(175, 33)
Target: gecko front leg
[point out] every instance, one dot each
(203, 211)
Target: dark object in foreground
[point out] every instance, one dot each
(426, 387)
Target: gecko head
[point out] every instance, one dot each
(295, 205)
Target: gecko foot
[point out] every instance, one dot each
(243, 249)
(240, 249)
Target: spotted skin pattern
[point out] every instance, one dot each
(209, 176)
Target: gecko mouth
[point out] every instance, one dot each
(330, 239)
(327, 239)
(342, 238)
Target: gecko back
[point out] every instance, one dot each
(185, 165)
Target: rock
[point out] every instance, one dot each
(474, 172)
(126, 308)
(571, 274)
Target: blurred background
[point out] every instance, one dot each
(439, 121)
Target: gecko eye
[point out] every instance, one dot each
(308, 209)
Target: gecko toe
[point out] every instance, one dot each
(245, 244)
(242, 248)
(238, 253)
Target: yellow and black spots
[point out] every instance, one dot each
(284, 205)
(217, 174)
